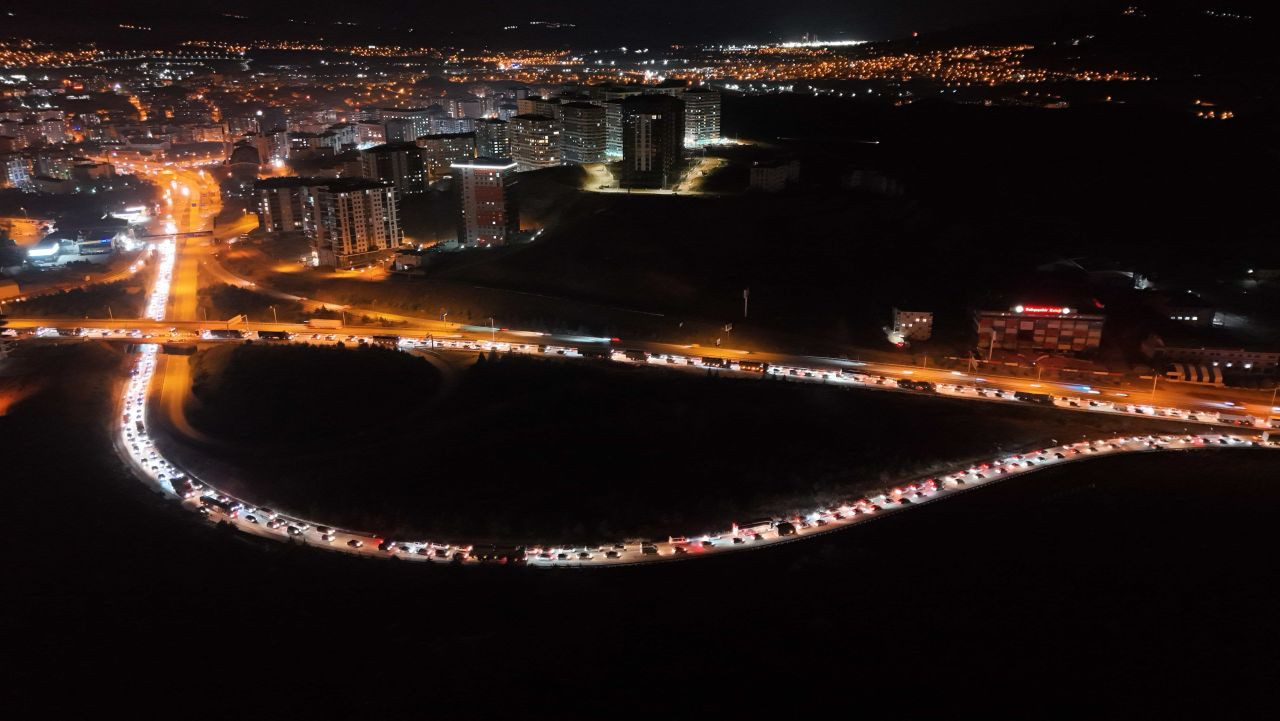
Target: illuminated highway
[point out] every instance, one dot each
(1193, 403)
(170, 311)
(202, 497)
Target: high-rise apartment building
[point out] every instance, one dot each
(284, 204)
(535, 141)
(491, 139)
(410, 123)
(441, 151)
(613, 128)
(701, 116)
(347, 219)
(582, 133)
(488, 206)
(399, 163)
(354, 219)
(538, 105)
(652, 141)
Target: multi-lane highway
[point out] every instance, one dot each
(202, 497)
(1204, 403)
(170, 315)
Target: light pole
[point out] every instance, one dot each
(493, 332)
(274, 318)
(1155, 378)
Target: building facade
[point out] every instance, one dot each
(652, 141)
(913, 324)
(582, 133)
(405, 124)
(488, 205)
(355, 218)
(701, 116)
(398, 163)
(1053, 329)
(439, 152)
(15, 172)
(537, 105)
(348, 220)
(535, 142)
(492, 140)
(1239, 360)
(773, 176)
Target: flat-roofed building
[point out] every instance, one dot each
(439, 152)
(283, 204)
(652, 141)
(582, 133)
(399, 163)
(355, 218)
(1034, 327)
(535, 142)
(701, 116)
(492, 140)
(488, 205)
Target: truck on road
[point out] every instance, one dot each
(1044, 398)
(224, 333)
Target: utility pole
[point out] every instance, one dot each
(746, 296)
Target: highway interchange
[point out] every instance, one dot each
(169, 316)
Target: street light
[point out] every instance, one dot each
(274, 318)
(493, 332)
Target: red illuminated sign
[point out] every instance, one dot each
(1041, 310)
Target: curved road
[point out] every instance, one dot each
(177, 269)
(196, 496)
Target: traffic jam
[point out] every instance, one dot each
(216, 507)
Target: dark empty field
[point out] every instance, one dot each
(997, 600)
(536, 449)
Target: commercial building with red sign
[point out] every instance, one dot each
(1034, 327)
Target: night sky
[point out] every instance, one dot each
(599, 24)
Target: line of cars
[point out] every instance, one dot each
(219, 507)
(841, 375)
(216, 506)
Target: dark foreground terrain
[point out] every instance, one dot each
(526, 449)
(1125, 588)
